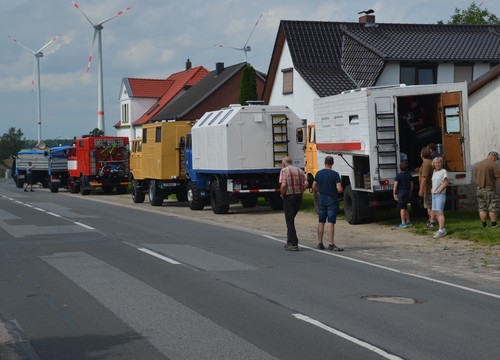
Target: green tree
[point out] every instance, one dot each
(474, 15)
(96, 132)
(248, 85)
(11, 142)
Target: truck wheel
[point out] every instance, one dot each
(196, 201)
(181, 193)
(54, 187)
(137, 194)
(83, 183)
(19, 183)
(155, 198)
(249, 201)
(73, 186)
(356, 208)
(218, 198)
(276, 202)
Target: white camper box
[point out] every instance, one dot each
(365, 133)
(252, 137)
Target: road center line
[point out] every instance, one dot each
(354, 340)
(496, 296)
(159, 256)
(83, 225)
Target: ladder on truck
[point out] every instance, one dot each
(280, 138)
(387, 158)
(182, 158)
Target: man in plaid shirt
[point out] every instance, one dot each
(293, 183)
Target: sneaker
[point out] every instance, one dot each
(494, 226)
(334, 248)
(26, 190)
(320, 246)
(439, 233)
(402, 226)
(430, 224)
(287, 245)
(32, 190)
(409, 223)
(292, 248)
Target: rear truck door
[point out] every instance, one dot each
(452, 126)
(310, 150)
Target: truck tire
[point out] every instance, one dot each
(73, 186)
(83, 183)
(356, 208)
(218, 198)
(19, 183)
(181, 193)
(137, 194)
(276, 202)
(196, 201)
(54, 187)
(155, 197)
(249, 201)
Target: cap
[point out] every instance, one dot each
(494, 153)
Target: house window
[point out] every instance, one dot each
(418, 74)
(463, 72)
(125, 113)
(287, 81)
(144, 136)
(158, 134)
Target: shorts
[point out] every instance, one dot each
(328, 208)
(427, 201)
(403, 199)
(487, 200)
(438, 202)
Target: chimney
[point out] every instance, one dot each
(188, 64)
(368, 20)
(219, 67)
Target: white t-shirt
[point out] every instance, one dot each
(438, 177)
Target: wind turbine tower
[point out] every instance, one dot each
(37, 55)
(100, 87)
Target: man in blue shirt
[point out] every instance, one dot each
(329, 185)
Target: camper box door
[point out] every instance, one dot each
(452, 123)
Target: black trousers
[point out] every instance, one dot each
(291, 206)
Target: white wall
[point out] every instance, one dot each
(301, 100)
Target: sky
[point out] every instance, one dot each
(152, 40)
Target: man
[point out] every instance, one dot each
(425, 184)
(329, 185)
(29, 177)
(486, 174)
(293, 182)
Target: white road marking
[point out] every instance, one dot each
(423, 277)
(53, 214)
(159, 256)
(83, 225)
(354, 340)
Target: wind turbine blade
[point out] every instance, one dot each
(228, 47)
(21, 45)
(50, 42)
(117, 14)
(92, 50)
(244, 46)
(83, 13)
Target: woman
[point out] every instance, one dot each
(439, 184)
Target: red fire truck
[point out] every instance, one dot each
(99, 162)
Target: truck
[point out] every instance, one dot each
(366, 132)
(98, 162)
(39, 157)
(157, 165)
(235, 154)
(58, 167)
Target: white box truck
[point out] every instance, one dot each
(368, 133)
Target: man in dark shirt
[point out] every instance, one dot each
(486, 174)
(328, 183)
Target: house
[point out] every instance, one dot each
(484, 131)
(314, 59)
(218, 89)
(142, 99)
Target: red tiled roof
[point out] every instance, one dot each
(180, 80)
(149, 88)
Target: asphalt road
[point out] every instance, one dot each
(87, 280)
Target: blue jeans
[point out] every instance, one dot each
(328, 207)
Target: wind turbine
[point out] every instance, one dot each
(36, 67)
(100, 87)
(246, 48)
